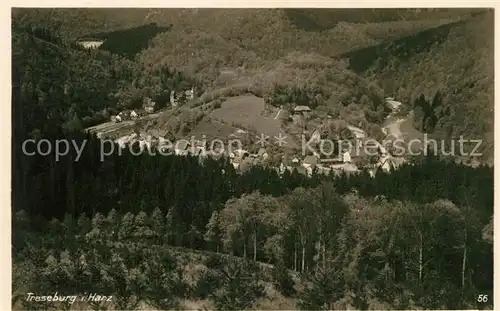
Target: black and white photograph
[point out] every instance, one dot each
(252, 158)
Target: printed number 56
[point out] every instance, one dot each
(482, 298)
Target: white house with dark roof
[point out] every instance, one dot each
(357, 132)
(90, 44)
(148, 105)
(301, 109)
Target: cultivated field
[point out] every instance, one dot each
(247, 112)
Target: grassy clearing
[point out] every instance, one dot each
(248, 111)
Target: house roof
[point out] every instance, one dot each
(261, 151)
(397, 161)
(330, 160)
(199, 143)
(355, 129)
(301, 108)
(147, 102)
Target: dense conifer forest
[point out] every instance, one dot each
(171, 232)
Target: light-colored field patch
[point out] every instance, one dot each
(247, 111)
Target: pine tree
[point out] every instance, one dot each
(239, 287)
(324, 290)
(282, 280)
(213, 234)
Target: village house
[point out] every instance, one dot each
(346, 157)
(189, 94)
(134, 115)
(122, 141)
(310, 161)
(349, 168)
(389, 163)
(186, 95)
(124, 115)
(357, 132)
(200, 143)
(239, 156)
(282, 168)
(302, 110)
(393, 104)
(90, 44)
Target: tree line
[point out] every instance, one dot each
(420, 236)
(348, 249)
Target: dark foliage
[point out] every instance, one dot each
(127, 42)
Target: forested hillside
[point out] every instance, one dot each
(257, 216)
(61, 83)
(451, 67)
(192, 48)
(246, 49)
(174, 232)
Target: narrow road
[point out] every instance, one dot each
(393, 129)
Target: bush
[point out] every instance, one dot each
(205, 285)
(213, 261)
(282, 280)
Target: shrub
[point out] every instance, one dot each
(282, 280)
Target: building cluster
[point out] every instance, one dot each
(178, 97)
(149, 106)
(348, 157)
(343, 159)
(166, 143)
